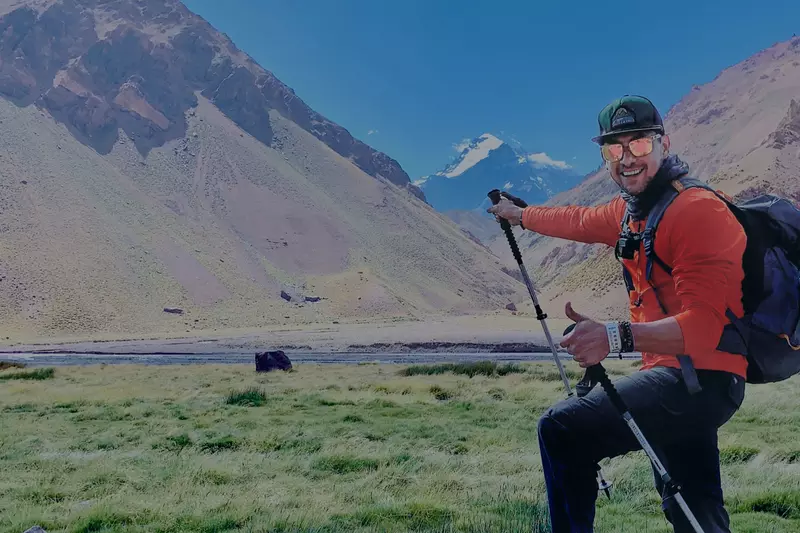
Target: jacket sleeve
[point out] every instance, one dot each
(598, 224)
(705, 264)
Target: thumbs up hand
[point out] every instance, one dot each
(588, 341)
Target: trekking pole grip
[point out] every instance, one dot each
(598, 373)
(494, 196)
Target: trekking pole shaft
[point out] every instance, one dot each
(616, 400)
(494, 196)
(540, 315)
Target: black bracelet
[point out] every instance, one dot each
(626, 333)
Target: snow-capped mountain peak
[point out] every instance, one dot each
(474, 153)
(489, 162)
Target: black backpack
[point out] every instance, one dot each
(768, 334)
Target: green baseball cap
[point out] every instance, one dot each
(627, 115)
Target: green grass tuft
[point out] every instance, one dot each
(782, 504)
(205, 524)
(551, 373)
(517, 515)
(252, 397)
(41, 496)
(413, 516)
(344, 465)
(497, 394)
(484, 368)
(105, 521)
(38, 374)
(736, 454)
(174, 443)
(787, 456)
(221, 444)
(440, 393)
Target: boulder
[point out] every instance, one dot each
(511, 307)
(268, 361)
(35, 529)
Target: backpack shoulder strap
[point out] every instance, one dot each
(655, 216)
(624, 228)
(648, 237)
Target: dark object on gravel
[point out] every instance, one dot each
(268, 361)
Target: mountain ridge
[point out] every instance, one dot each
(150, 170)
(183, 47)
(487, 162)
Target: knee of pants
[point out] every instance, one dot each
(551, 432)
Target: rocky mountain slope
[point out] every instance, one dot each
(476, 223)
(740, 132)
(104, 65)
(147, 163)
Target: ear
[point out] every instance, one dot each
(665, 144)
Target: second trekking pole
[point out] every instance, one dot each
(598, 374)
(495, 196)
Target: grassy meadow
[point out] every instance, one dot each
(337, 448)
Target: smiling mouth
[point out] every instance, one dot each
(631, 173)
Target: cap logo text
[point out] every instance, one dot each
(621, 117)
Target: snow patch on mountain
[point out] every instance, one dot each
(475, 154)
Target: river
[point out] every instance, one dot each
(82, 359)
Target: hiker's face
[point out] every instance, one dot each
(634, 173)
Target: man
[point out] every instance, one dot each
(674, 315)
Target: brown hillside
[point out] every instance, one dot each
(147, 163)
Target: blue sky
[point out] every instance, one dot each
(424, 74)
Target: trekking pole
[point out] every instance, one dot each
(599, 375)
(494, 196)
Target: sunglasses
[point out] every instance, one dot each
(638, 148)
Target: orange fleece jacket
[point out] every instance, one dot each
(703, 243)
